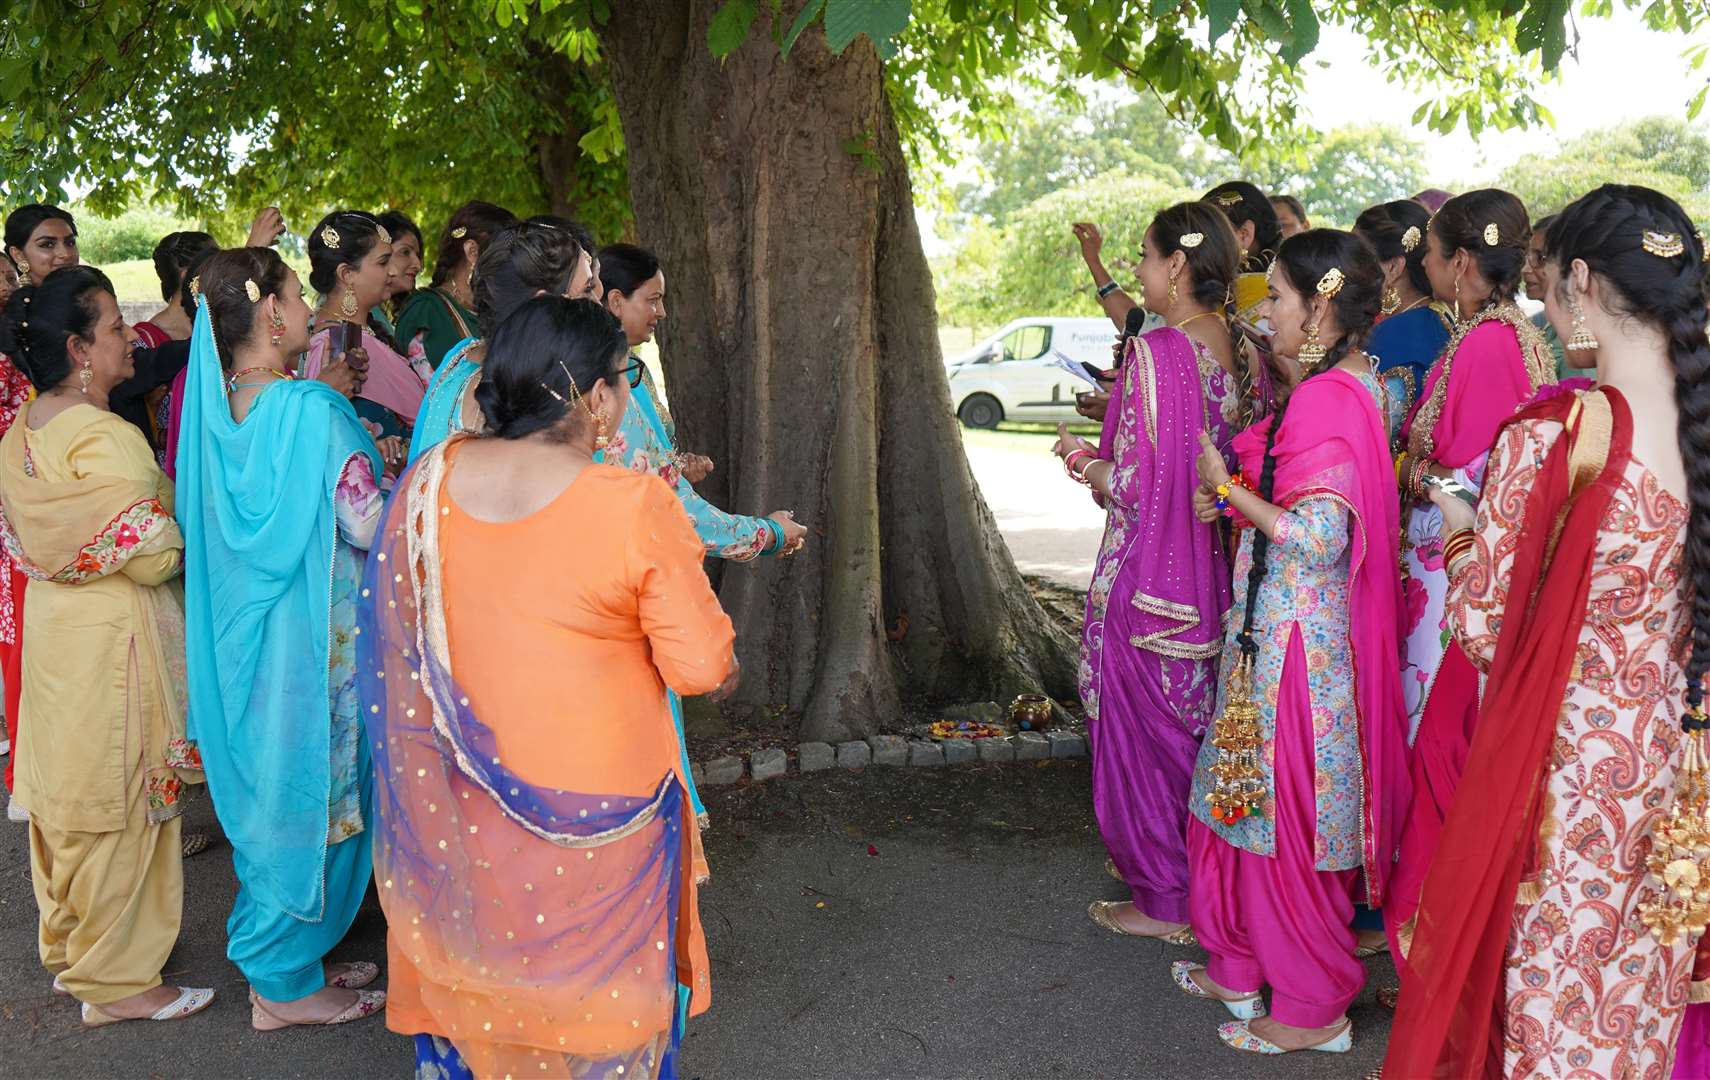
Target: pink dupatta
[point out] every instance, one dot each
(1334, 444)
(391, 380)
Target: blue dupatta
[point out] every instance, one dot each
(255, 503)
(443, 404)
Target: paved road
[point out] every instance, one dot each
(960, 950)
(1050, 522)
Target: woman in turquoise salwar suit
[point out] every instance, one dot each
(278, 502)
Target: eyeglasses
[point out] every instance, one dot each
(1534, 260)
(633, 371)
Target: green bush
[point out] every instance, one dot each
(131, 235)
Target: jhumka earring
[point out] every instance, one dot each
(1313, 352)
(1390, 301)
(1458, 316)
(600, 439)
(278, 328)
(84, 378)
(1171, 300)
(23, 275)
(1581, 339)
(347, 303)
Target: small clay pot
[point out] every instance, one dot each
(1030, 712)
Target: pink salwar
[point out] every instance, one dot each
(1278, 921)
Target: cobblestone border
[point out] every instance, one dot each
(893, 751)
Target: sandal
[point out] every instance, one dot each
(1099, 912)
(189, 1002)
(1250, 1007)
(1110, 868)
(367, 1003)
(356, 974)
(1236, 1034)
(195, 843)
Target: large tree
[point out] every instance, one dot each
(769, 145)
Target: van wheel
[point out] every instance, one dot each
(981, 411)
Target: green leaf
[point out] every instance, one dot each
(809, 13)
(1305, 35)
(1268, 18)
(880, 20)
(730, 25)
(1160, 8)
(1222, 14)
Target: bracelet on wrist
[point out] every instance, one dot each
(1107, 288)
(1222, 491)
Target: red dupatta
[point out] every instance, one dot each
(1450, 1018)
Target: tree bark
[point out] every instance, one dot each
(802, 355)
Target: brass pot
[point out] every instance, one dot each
(1030, 712)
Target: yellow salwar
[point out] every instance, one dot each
(87, 515)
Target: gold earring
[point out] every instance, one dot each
(84, 378)
(24, 275)
(278, 327)
(600, 440)
(1171, 301)
(347, 304)
(1313, 352)
(1391, 300)
(1581, 340)
(1459, 318)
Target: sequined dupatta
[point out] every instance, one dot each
(542, 924)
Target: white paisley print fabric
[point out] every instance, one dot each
(1590, 993)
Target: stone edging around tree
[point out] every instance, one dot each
(892, 750)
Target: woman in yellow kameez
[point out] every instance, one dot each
(102, 762)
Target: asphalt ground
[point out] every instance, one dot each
(889, 923)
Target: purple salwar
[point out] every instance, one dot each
(1148, 674)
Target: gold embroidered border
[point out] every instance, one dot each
(1160, 641)
(1534, 353)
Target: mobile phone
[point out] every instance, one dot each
(1450, 486)
(1097, 374)
(352, 337)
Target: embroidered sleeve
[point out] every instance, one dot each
(1313, 531)
(142, 540)
(1479, 590)
(690, 635)
(735, 537)
(357, 502)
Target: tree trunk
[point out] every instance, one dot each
(802, 355)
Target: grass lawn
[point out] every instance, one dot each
(1029, 437)
(134, 280)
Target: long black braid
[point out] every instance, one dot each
(1607, 229)
(1305, 258)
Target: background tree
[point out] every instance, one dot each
(1663, 152)
(769, 145)
(1338, 173)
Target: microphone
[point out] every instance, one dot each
(1131, 327)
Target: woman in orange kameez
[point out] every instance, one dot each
(537, 857)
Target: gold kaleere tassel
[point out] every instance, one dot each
(1240, 788)
(1680, 847)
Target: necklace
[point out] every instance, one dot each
(1218, 315)
(1410, 307)
(231, 382)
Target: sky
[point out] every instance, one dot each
(1624, 71)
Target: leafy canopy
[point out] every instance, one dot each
(222, 105)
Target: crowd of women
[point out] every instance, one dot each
(1398, 634)
(243, 540)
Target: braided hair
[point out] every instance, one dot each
(1304, 259)
(41, 319)
(1385, 227)
(222, 280)
(1242, 203)
(1606, 228)
(1471, 222)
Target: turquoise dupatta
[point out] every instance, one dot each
(255, 503)
(443, 405)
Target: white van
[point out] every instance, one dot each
(1014, 374)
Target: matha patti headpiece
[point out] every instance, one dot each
(1664, 245)
(251, 290)
(329, 237)
(1492, 235)
(1191, 240)
(1331, 283)
(1410, 239)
